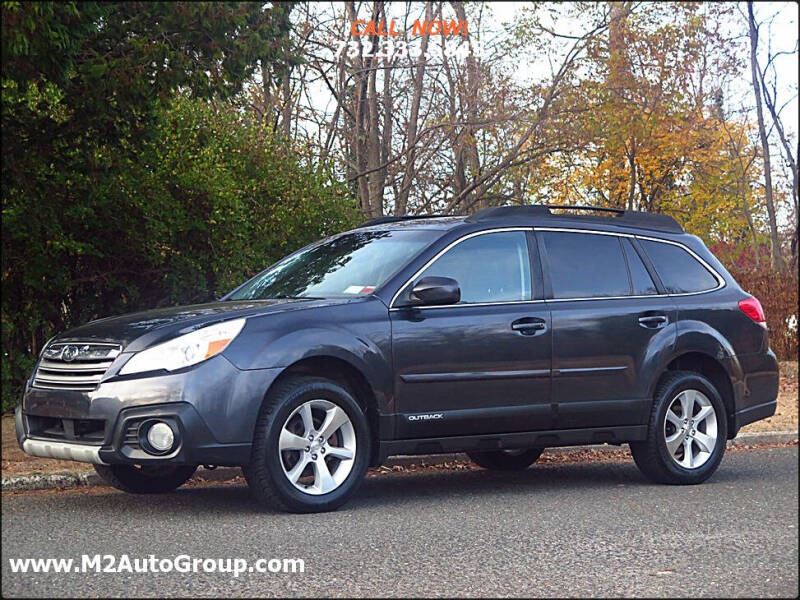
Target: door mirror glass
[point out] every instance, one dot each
(435, 291)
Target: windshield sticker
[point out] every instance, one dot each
(360, 289)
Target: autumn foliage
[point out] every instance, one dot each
(778, 296)
(158, 153)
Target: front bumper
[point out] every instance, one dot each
(62, 451)
(212, 408)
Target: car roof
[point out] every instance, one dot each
(536, 215)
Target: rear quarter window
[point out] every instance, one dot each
(680, 272)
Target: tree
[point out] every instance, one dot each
(768, 79)
(775, 245)
(104, 208)
(439, 127)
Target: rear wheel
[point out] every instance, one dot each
(147, 479)
(687, 431)
(506, 460)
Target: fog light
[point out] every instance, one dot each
(161, 437)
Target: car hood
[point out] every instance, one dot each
(136, 331)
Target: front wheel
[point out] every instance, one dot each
(506, 460)
(147, 479)
(311, 446)
(687, 431)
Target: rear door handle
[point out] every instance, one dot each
(528, 325)
(653, 321)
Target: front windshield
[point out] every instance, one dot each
(352, 264)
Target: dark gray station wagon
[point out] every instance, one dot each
(498, 334)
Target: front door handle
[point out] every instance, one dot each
(528, 325)
(653, 321)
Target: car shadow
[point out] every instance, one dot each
(409, 487)
(553, 479)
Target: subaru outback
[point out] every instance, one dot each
(499, 335)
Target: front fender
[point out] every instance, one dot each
(359, 336)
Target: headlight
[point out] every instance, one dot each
(186, 350)
(47, 343)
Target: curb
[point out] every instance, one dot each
(89, 479)
(49, 481)
(763, 437)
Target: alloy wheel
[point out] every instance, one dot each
(317, 446)
(690, 429)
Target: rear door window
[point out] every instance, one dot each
(680, 272)
(586, 265)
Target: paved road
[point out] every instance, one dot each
(554, 530)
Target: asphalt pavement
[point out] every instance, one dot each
(558, 529)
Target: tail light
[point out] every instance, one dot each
(752, 308)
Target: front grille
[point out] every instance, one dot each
(86, 431)
(74, 365)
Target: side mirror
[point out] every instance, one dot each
(435, 291)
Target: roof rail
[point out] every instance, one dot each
(391, 219)
(629, 218)
(618, 211)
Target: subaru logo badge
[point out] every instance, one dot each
(69, 353)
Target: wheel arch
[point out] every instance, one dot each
(349, 376)
(714, 370)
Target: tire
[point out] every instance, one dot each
(506, 460)
(155, 479)
(277, 475)
(690, 457)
